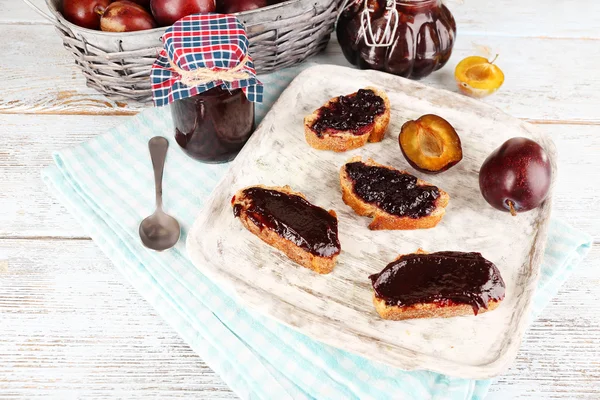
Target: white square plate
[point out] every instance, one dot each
(337, 308)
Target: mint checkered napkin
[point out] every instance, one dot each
(107, 184)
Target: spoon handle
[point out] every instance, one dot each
(158, 146)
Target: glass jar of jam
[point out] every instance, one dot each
(409, 38)
(204, 72)
(213, 126)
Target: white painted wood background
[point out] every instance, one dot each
(72, 327)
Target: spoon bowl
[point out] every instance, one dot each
(159, 231)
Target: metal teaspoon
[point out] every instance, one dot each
(159, 231)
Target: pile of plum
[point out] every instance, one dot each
(137, 15)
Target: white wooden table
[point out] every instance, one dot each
(72, 327)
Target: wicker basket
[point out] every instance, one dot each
(118, 64)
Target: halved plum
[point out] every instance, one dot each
(478, 77)
(430, 144)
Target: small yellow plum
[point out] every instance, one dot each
(478, 77)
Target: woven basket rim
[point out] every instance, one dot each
(117, 64)
(57, 14)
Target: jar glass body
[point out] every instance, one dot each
(406, 38)
(213, 126)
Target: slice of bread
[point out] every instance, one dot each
(426, 310)
(381, 219)
(321, 265)
(340, 141)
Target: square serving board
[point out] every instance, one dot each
(337, 308)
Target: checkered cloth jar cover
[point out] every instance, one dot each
(203, 51)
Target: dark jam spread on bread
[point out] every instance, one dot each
(350, 113)
(392, 191)
(445, 278)
(293, 218)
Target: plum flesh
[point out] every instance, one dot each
(430, 144)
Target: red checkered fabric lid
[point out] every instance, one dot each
(203, 51)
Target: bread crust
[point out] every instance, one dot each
(426, 310)
(381, 219)
(344, 140)
(321, 265)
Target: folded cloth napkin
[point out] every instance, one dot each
(107, 184)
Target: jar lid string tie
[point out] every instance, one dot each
(200, 76)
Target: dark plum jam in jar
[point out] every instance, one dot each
(213, 126)
(211, 88)
(409, 38)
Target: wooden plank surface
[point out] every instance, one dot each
(527, 18)
(28, 144)
(17, 12)
(41, 77)
(71, 325)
